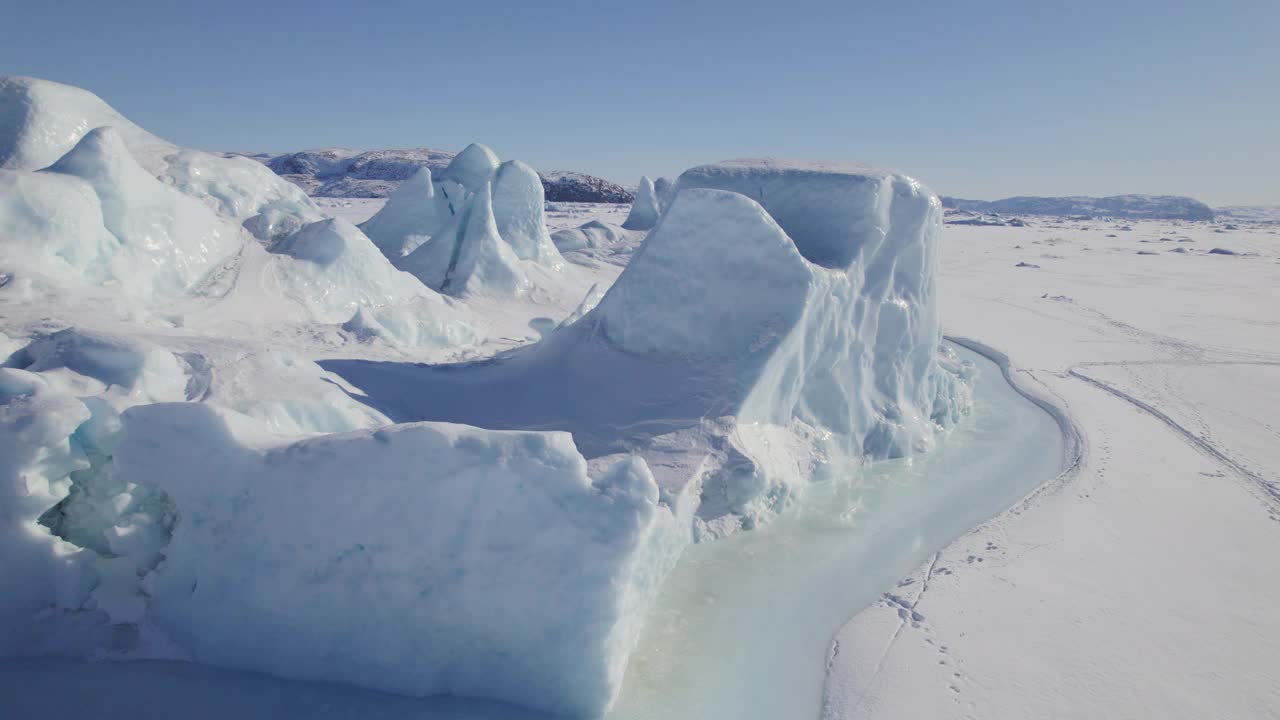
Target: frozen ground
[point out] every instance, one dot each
(1141, 585)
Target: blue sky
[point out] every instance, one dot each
(978, 99)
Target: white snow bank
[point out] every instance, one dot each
(519, 212)
(644, 209)
(417, 559)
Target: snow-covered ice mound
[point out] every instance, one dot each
(92, 205)
(593, 234)
(418, 559)
(750, 369)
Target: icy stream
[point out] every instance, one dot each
(742, 628)
(744, 625)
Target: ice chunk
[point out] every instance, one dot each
(53, 223)
(644, 210)
(485, 262)
(240, 190)
(472, 167)
(664, 190)
(750, 369)
(41, 120)
(331, 268)
(409, 218)
(592, 234)
(169, 240)
(42, 573)
(519, 211)
(469, 256)
(428, 322)
(137, 370)
(416, 559)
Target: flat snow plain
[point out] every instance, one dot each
(1141, 585)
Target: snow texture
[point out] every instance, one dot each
(417, 559)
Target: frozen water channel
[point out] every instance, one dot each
(742, 628)
(744, 625)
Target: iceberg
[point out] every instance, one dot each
(751, 369)
(418, 559)
(519, 211)
(593, 234)
(644, 210)
(409, 218)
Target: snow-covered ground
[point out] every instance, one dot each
(1142, 584)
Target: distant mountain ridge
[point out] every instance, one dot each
(344, 173)
(1134, 207)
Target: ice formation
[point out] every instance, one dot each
(470, 230)
(593, 234)
(186, 473)
(644, 210)
(664, 190)
(771, 358)
(408, 219)
(417, 559)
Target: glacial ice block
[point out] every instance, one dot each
(644, 209)
(41, 120)
(168, 240)
(472, 167)
(333, 269)
(519, 210)
(416, 559)
(409, 218)
(42, 575)
(750, 369)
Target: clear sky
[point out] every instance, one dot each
(979, 99)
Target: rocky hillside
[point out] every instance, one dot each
(1136, 207)
(343, 173)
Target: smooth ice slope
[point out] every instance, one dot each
(417, 559)
(644, 210)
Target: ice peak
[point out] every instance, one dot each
(472, 167)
